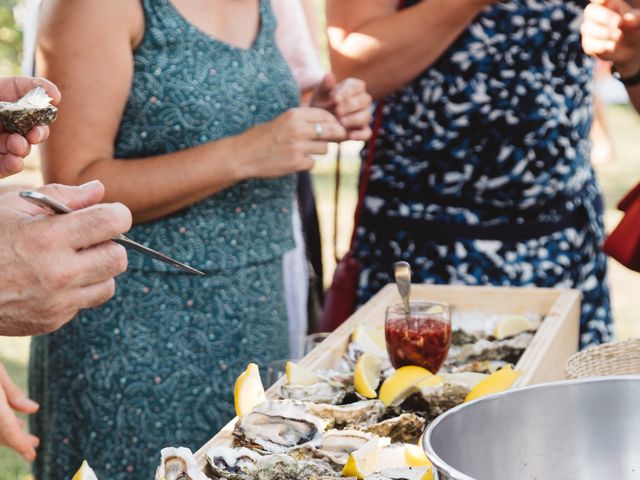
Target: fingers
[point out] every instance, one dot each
(351, 96)
(95, 295)
(75, 198)
(357, 120)
(93, 225)
(618, 6)
(16, 398)
(38, 135)
(306, 121)
(361, 134)
(11, 434)
(12, 88)
(10, 164)
(601, 32)
(100, 263)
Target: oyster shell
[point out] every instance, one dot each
(322, 392)
(284, 467)
(277, 426)
(335, 449)
(32, 110)
(509, 350)
(436, 400)
(178, 464)
(355, 414)
(404, 428)
(409, 473)
(232, 463)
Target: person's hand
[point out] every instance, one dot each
(51, 266)
(349, 102)
(12, 433)
(285, 145)
(14, 147)
(611, 32)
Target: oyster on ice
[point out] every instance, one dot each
(322, 392)
(355, 414)
(284, 467)
(232, 463)
(336, 447)
(277, 426)
(509, 350)
(32, 110)
(404, 428)
(178, 464)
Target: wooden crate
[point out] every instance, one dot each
(543, 361)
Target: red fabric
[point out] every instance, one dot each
(624, 242)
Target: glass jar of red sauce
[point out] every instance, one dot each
(420, 337)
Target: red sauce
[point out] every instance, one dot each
(418, 341)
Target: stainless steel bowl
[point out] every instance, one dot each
(574, 430)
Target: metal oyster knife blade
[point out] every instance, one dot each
(49, 203)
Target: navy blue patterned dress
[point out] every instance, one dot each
(481, 173)
(156, 365)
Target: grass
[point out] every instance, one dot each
(616, 178)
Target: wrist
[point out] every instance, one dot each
(242, 150)
(626, 70)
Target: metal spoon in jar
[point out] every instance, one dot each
(403, 282)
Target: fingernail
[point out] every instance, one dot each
(31, 404)
(90, 185)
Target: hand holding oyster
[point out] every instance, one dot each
(32, 110)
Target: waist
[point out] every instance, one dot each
(229, 229)
(508, 224)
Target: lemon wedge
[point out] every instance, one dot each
(497, 382)
(399, 385)
(371, 340)
(297, 375)
(248, 392)
(85, 472)
(363, 461)
(510, 326)
(414, 456)
(367, 375)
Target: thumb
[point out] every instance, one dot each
(16, 398)
(76, 198)
(631, 19)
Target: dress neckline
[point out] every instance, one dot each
(212, 38)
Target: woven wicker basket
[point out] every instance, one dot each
(619, 358)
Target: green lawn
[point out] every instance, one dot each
(616, 178)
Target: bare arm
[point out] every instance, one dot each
(371, 40)
(96, 76)
(611, 32)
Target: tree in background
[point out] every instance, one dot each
(10, 37)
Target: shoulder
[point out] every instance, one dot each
(91, 19)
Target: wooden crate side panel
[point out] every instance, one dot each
(558, 339)
(557, 303)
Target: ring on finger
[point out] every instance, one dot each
(318, 129)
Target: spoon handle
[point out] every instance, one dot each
(403, 282)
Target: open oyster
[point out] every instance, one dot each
(277, 426)
(509, 350)
(32, 110)
(335, 449)
(232, 463)
(283, 467)
(178, 464)
(404, 428)
(355, 414)
(323, 392)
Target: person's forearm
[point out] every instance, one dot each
(389, 52)
(157, 186)
(634, 96)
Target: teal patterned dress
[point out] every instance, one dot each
(156, 366)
